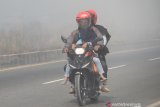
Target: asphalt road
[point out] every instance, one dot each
(134, 78)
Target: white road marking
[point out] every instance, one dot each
(117, 67)
(53, 81)
(156, 104)
(154, 59)
(32, 65)
(63, 79)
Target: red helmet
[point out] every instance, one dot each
(82, 15)
(83, 19)
(93, 16)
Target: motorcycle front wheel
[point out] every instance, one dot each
(80, 89)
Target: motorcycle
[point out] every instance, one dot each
(84, 75)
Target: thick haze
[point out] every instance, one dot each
(45, 20)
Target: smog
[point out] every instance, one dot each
(37, 25)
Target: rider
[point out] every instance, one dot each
(88, 33)
(102, 50)
(101, 28)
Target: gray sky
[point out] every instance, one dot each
(123, 18)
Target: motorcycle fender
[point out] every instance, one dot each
(77, 73)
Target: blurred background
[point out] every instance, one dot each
(36, 25)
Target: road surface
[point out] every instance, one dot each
(134, 78)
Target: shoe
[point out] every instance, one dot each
(72, 90)
(104, 81)
(103, 89)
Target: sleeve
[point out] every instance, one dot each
(98, 33)
(70, 39)
(103, 31)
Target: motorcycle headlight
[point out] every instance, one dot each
(79, 51)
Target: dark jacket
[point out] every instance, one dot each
(104, 32)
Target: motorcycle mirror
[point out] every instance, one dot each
(63, 39)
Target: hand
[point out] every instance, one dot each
(84, 45)
(65, 50)
(73, 46)
(96, 47)
(93, 28)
